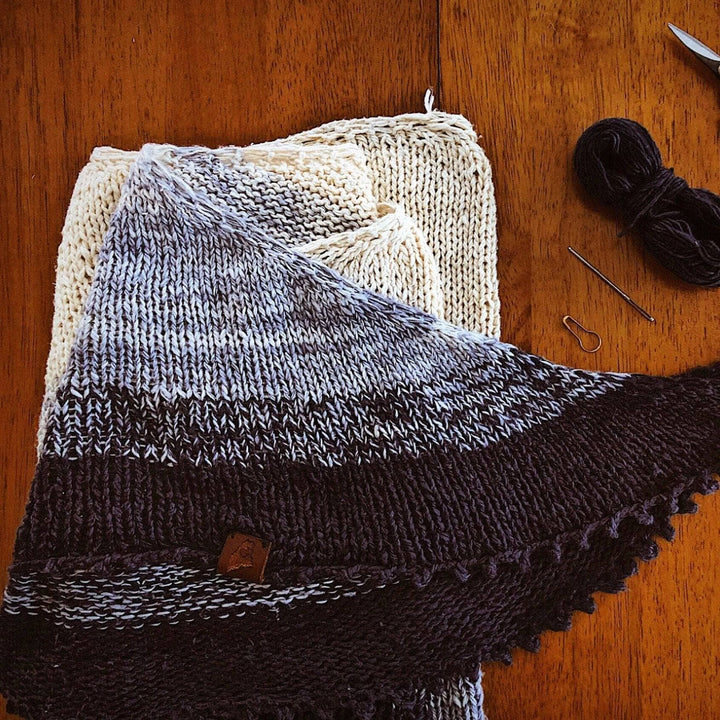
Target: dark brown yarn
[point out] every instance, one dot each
(619, 164)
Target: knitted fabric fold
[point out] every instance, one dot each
(433, 497)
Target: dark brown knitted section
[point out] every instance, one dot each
(450, 510)
(234, 668)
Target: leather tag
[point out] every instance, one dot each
(244, 557)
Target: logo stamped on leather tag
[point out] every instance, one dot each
(244, 557)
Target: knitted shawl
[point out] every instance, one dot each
(266, 491)
(358, 233)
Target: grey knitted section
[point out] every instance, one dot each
(306, 193)
(157, 594)
(205, 331)
(459, 700)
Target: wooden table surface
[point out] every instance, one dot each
(530, 76)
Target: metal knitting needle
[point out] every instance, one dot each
(607, 280)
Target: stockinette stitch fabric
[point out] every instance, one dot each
(389, 255)
(311, 194)
(431, 164)
(470, 495)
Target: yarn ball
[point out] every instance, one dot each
(619, 164)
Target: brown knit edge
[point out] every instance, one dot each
(703, 483)
(654, 514)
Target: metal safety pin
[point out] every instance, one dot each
(567, 319)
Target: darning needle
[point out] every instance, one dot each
(607, 280)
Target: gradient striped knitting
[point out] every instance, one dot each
(389, 255)
(434, 497)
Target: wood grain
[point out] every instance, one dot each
(532, 76)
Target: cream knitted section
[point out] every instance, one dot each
(431, 165)
(389, 256)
